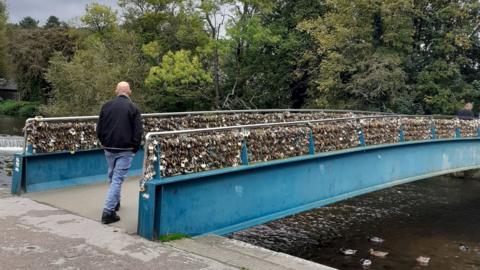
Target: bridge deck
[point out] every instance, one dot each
(87, 201)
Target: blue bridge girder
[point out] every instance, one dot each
(232, 199)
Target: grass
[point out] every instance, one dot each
(172, 237)
(18, 108)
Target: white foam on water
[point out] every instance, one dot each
(11, 141)
(11, 150)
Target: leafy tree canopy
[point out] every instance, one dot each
(28, 23)
(52, 22)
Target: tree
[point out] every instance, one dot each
(82, 84)
(178, 83)
(144, 16)
(361, 45)
(170, 29)
(394, 55)
(173, 24)
(28, 23)
(268, 52)
(29, 54)
(443, 66)
(52, 22)
(3, 41)
(426, 47)
(214, 14)
(100, 18)
(251, 43)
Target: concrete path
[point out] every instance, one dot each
(243, 255)
(88, 201)
(38, 236)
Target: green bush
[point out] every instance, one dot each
(9, 107)
(29, 109)
(18, 108)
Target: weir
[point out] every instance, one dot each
(223, 179)
(11, 144)
(11, 141)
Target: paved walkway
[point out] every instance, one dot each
(38, 236)
(88, 201)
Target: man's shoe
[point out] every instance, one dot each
(109, 217)
(117, 207)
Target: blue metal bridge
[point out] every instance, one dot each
(369, 153)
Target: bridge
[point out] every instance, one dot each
(199, 177)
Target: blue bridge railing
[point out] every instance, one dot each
(314, 138)
(219, 180)
(64, 151)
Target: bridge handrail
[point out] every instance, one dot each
(186, 114)
(183, 131)
(326, 120)
(166, 114)
(308, 123)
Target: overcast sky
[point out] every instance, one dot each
(42, 9)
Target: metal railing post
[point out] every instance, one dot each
(458, 132)
(28, 149)
(401, 132)
(433, 129)
(244, 153)
(157, 163)
(311, 140)
(361, 136)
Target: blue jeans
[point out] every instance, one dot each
(118, 165)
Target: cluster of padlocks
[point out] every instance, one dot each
(416, 129)
(468, 128)
(47, 137)
(381, 130)
(180, 122)
(266, 144)
(273, 143)
(199, 152)
(56, 136)
(191, 152)
(331, 136)
(445, 128)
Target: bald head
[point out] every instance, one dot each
(123, 88)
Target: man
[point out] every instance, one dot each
(119, 130)
(466, 113)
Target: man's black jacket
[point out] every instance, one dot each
(465, 114)
(119, 127)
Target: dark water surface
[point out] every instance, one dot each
(11, 125)
(431, 218)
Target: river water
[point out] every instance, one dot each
(11, 125)
(438, 218)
